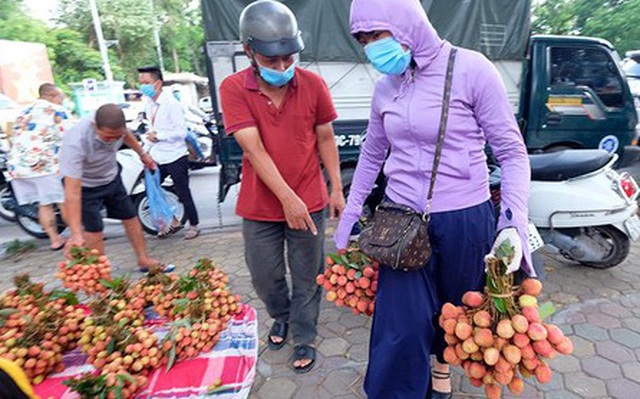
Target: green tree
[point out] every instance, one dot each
(617, 21)
(553, 17)
(15, 24)
(131, 23)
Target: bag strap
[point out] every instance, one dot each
(443, 127)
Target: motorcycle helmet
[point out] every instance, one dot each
(270, 29)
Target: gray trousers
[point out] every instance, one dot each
(265, 255)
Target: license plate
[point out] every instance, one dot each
(633, 227)
(533, 237)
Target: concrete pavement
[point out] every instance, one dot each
(598, 309)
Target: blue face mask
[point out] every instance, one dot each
(387, 56)
(277, 78)
(148, 90)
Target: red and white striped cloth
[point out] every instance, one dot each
(231, 362)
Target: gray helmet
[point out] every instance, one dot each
(270, 28)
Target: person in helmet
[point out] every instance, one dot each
(281, 117)
(406, 112)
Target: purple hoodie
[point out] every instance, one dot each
(405, 116)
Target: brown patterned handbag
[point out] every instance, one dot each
(397, 235)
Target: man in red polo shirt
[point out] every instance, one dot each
(281, 117)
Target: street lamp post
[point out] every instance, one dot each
(101, 43)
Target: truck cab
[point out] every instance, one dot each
(574, 95)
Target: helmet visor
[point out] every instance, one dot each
(274, 48)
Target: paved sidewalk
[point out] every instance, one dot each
(598, 309)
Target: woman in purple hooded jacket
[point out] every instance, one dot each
(400, 42)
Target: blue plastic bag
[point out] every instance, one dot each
(159, 208)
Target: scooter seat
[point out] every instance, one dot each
(563, 165)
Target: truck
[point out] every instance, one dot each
(565, 91)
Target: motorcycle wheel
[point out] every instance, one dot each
(618, 244)
(6, 214)
(141, 205)
(33, 228)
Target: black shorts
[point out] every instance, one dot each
(113, 197)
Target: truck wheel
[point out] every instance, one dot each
(616, 241)
(141, 205)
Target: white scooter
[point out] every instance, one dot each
(582, 208)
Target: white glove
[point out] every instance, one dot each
(509, 234)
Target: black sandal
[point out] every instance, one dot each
(440, 375)
(278, 329)
(302, 352)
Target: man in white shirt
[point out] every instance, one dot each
(169, 150)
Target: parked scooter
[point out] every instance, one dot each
(132, 175)
(581, 206)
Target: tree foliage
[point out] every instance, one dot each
(617, 21)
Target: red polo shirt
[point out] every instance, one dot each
(288, 134)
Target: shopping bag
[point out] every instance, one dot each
(159, 208)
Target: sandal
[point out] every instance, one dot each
(59, 247)
(170, 231)
(278, 329)
(192, 232)
(165, 268)
(440, 375)
(302, 352)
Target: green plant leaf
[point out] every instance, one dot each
(505, 250)
(546, 309)
(500, 305)
(335, 258)
(111, 346)
(68, 296)
(172, 357)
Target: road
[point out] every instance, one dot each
(204, 188)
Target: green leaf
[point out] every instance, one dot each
(546, 309)
(69, 297)
(500, 305)
(335, 258)
(172, 357)
(354, 266)
(7, 312)
(505, 250)
(343, 260)
(126, 377)
(109, 284)
(491, 284)
(111, 346)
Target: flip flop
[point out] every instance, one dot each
(278, 329)
(166, 269)
(59, 247)
(301, 352)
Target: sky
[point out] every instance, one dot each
(42, 9)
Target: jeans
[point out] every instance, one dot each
(192, 141)
(179, 172)
(269, 246)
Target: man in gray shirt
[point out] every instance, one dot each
(91, 181)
